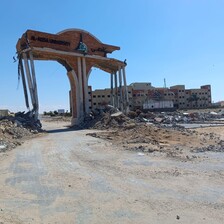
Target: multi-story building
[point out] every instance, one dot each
(191, 98)
(102, 97)
(140, 93)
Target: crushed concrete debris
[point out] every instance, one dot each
(3, 148)
(14, 129)
(112, 119)
(146, 132)
(177, 117)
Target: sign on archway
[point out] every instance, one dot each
(78, 51)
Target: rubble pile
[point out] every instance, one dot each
(14, 129)
(116, 120)
(110, 118)
(149, 138)
(176, 117)
(145, 132)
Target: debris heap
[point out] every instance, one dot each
(14, 129)
(146, 132)
(112, 118)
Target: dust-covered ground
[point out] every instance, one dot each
(126, 172)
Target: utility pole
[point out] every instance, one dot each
(164, 83)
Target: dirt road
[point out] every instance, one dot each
(68, 177)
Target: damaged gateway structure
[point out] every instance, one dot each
(78, 51)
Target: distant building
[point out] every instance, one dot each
(191, 98)
(4, 112)
(102, 97)
(61, 111)
(145, 94)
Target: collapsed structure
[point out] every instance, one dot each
(78, 51)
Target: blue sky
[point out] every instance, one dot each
(179, 40)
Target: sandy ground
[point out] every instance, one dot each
(69, 177)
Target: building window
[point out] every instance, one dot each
(94, 103)
(108, 95)
(103, 96)
(89, 92)
(94, 96)
(98, 96)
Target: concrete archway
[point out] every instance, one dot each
(78, 51)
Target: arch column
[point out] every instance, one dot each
(112, 89)
(85, 86)
(80, 86)
(121, 101)
(75, 97)
(126, 98)
(31, 79)
(116, 90)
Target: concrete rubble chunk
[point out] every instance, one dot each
(2, 147)
(158, 119)
(15, 128)
(117, 114)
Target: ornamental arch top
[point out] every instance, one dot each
(78, 51)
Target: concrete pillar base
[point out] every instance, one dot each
(76, 121)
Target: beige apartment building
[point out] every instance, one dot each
(102, 97)
(191, 98)
(140, 93)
